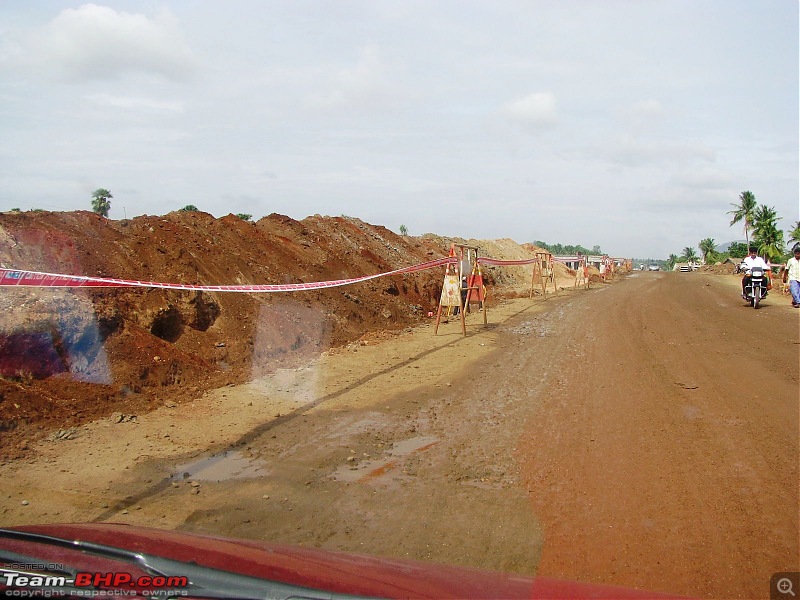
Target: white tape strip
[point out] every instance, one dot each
(23, 278)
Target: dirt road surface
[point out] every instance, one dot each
(642, 434)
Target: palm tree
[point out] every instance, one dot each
(744, 212)
(794, 234)
(689, 254)
(101, 201)
(766, 233)
(707, 248)
(673, 258)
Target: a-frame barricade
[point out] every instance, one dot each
(450, 298)
(462, 287)
(582, 273)
(543, 269)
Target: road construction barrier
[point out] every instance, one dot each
(543, 266)
(22, 278)
(26, 278)
(462, 286)
(544, 271)
(463, 283)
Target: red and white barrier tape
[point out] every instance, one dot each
(500, 263)
(22, 278)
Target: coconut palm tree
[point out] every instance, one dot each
(673, 258)
(707, 248)
(744, 212)
(794, 234)
(766, 234)
(689, 254)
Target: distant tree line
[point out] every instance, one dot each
(760, 220)
(567, 249)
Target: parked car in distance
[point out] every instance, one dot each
(653, 268)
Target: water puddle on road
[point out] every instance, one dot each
(230, 464)
(370, 469)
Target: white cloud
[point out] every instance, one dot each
(136, 103)
(633, 151)
(96, 43)
(708, 178)
(643, 116)
(538, 109)
(648, 108)
(367, 83)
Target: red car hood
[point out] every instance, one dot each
(335, 572)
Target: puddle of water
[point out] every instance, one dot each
(691, 412)
(370, 469)
(224, 466)
(369, 422)
(415, 444)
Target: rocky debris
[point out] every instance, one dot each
(121, 418)
(64, 434)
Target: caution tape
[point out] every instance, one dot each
(22, 278)
(502, 263)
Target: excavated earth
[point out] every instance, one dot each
(68, 357)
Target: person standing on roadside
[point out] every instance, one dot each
(793, 274)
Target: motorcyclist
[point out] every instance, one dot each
(750, 261)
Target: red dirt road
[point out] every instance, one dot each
(664, 453)
(641, 434)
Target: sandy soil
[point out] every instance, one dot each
(643, 434)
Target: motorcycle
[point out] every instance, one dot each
(756, 289)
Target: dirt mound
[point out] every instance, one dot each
(67, 356)
(509, 281)
(720, 269)
(70, 355)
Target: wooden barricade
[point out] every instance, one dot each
(582, 273)
(544, 270)
(462, 287)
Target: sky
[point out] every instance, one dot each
(629, 124)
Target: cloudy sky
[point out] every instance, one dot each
(632, 124)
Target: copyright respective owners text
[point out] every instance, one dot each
(784, 585)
